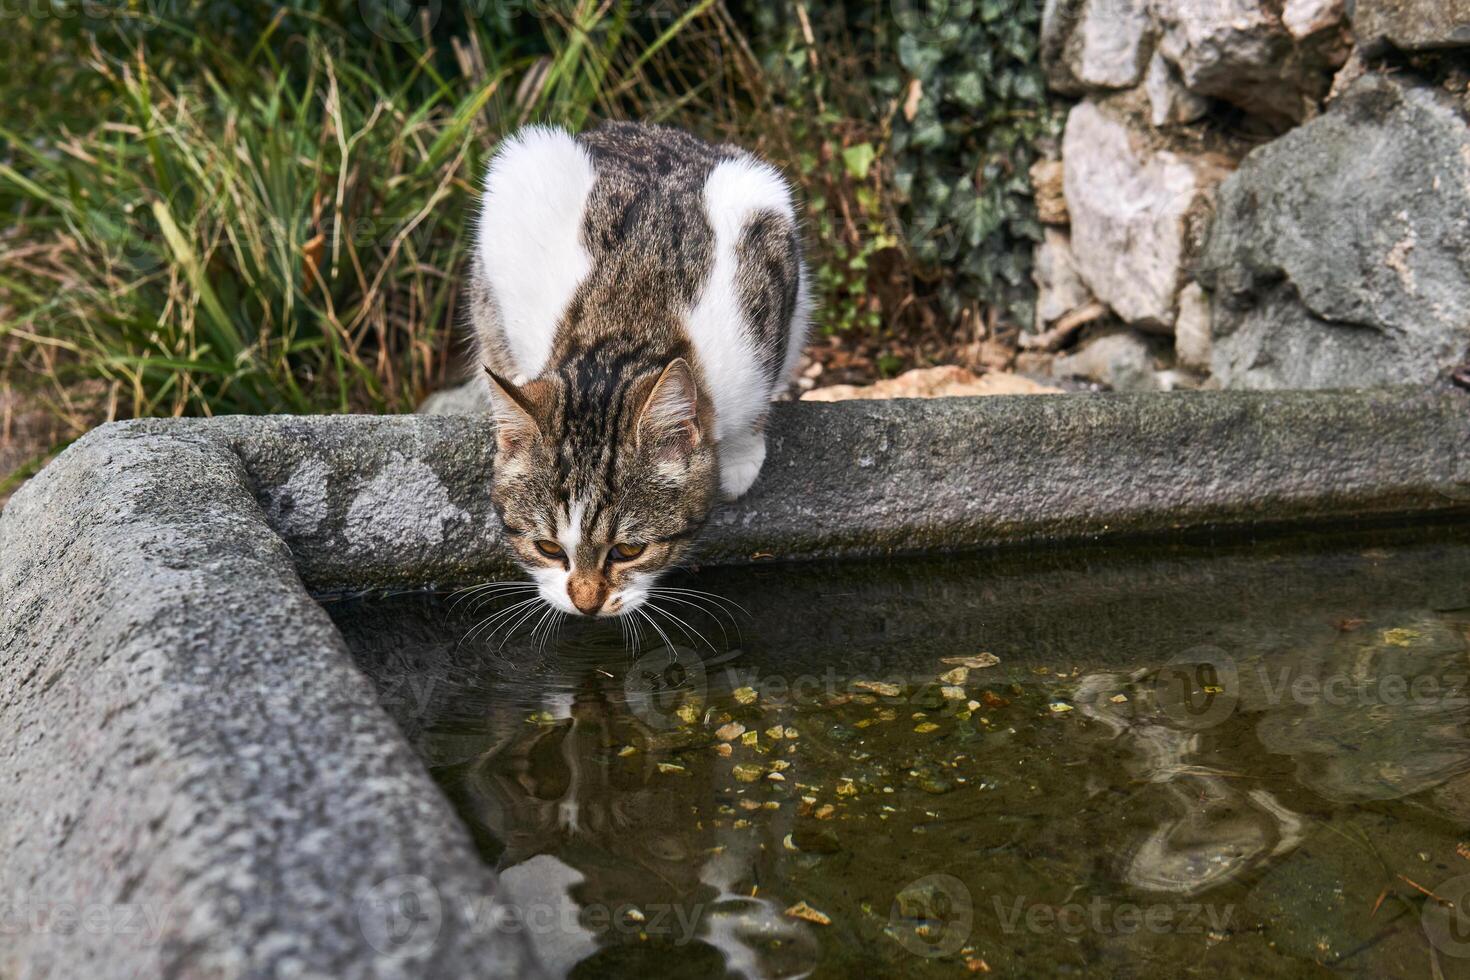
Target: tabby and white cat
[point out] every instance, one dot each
(638, 297)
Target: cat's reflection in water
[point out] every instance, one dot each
(614, 853)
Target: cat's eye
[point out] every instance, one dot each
(627, 552)
(550, 549)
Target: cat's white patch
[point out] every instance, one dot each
(558, 704)
(552, 584)
(632, 595)
(734, 191)
(741, 459)
(569, 531)
(529, 237)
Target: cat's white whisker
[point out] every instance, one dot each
(694, 636)
(517, 623)
(493, 624)
(480, 601)
(553, 626)
(656, 627)
(712, 612)
(478, 627)
(484, 588)
(700, 593)
(538, 639)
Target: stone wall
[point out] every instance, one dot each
(1256, 194)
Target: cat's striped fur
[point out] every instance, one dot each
(638, 297)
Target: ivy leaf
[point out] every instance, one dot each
(968, 89)
(919, 58)
(858, 160)
(928, 135)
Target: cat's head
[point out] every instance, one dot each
(602, 487)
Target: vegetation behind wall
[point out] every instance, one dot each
(262, 207)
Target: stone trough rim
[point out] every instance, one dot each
(1240, 483)
(174, 686)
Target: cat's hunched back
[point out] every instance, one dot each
(621, 277)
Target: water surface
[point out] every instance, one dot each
(1248, 759)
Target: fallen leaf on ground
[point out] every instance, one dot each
(978, 662)
(801, 910)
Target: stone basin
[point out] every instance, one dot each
(200, 782)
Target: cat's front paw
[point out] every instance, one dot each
(740, 463)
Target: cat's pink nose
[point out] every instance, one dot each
(587, 593)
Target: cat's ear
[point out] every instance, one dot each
(670, 415)
(515, 416)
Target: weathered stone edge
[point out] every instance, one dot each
(191, 760)
(187, 736)
(372, 502)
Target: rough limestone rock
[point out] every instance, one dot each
(1059, 286)
(1413, 25)
(1122, 361)
(1047, 190)
(1192, 328)
(470, 398)
(1170, 103)
(1137, 212)
(1095, 44)
(1303, 18)
(1242, 52)
(1340, 254)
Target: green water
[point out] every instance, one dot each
(1249, 759)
